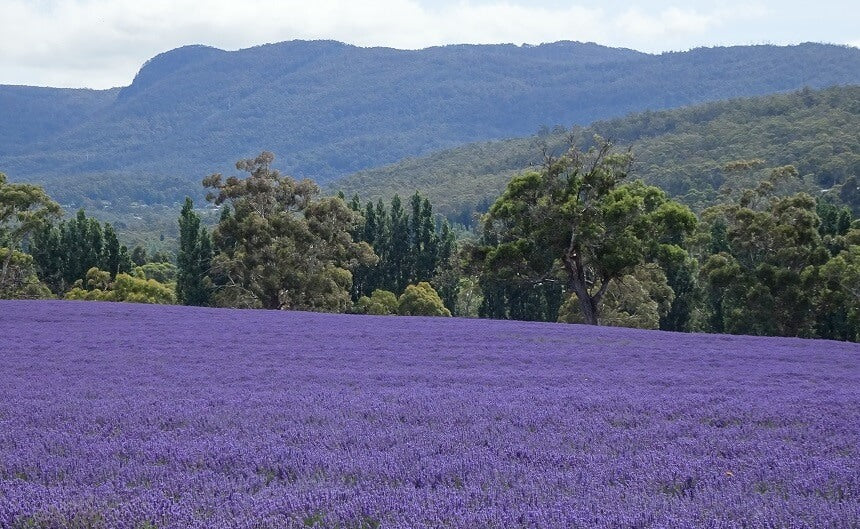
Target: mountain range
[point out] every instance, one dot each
(328, 109)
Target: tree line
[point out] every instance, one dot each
(766, 260)
(575, 241)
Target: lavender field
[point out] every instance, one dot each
(143, 417)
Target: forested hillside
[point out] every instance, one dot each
(329, 109)
(33, 114)
(682, 151)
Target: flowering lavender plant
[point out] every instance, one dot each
(142, 417)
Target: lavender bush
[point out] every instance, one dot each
(142, 417)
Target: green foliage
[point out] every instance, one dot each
(409, 246)
(849, 193)
(138, 256)
(450, 268)
(398, 265)
(682, 151)
(98, 286)
(21, 280)
(575, 219)
(24, 208)
(193, 286)
(640, 300)
(767, 277)
(835, 225)
(839, 303)
(64, 253)
(380, 302)
(114, 257)
(469, 298)
(161, 272)
(278, 245)
(137, 290)
(681, 271)
(421, 300)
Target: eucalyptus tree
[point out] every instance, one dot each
(23, 209)
(576, 221)
(279, 245)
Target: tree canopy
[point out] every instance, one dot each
(772, 266)
(279, 245)
(98, 285)
(23, 209)
(576, 219)
(65, 252)
(193, 286)
(421, 300)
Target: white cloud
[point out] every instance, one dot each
(671, 27)
(101, 43)
(668, 22)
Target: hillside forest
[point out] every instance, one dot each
(331, 109)
(577, 239)
(682, 151)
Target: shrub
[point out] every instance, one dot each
(421, 300)
(380, 302)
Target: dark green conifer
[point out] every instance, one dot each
(195, 254)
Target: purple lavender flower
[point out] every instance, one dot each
(142, 417)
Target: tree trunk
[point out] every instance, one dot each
(589, 309)
(576, 283)
(6, 263)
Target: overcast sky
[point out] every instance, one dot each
(102, 43)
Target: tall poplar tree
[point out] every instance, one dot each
(399, 262)
(193, 260)
(115, 259)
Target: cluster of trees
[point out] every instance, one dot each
(411, 247)
(77, 259)
(574, 241)
(23, 209)
(277, 245)
(280, 245)
(416, 300)
(575, 229)
(785, 265)
(98, 285)
(82, 258)
(65, 252)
